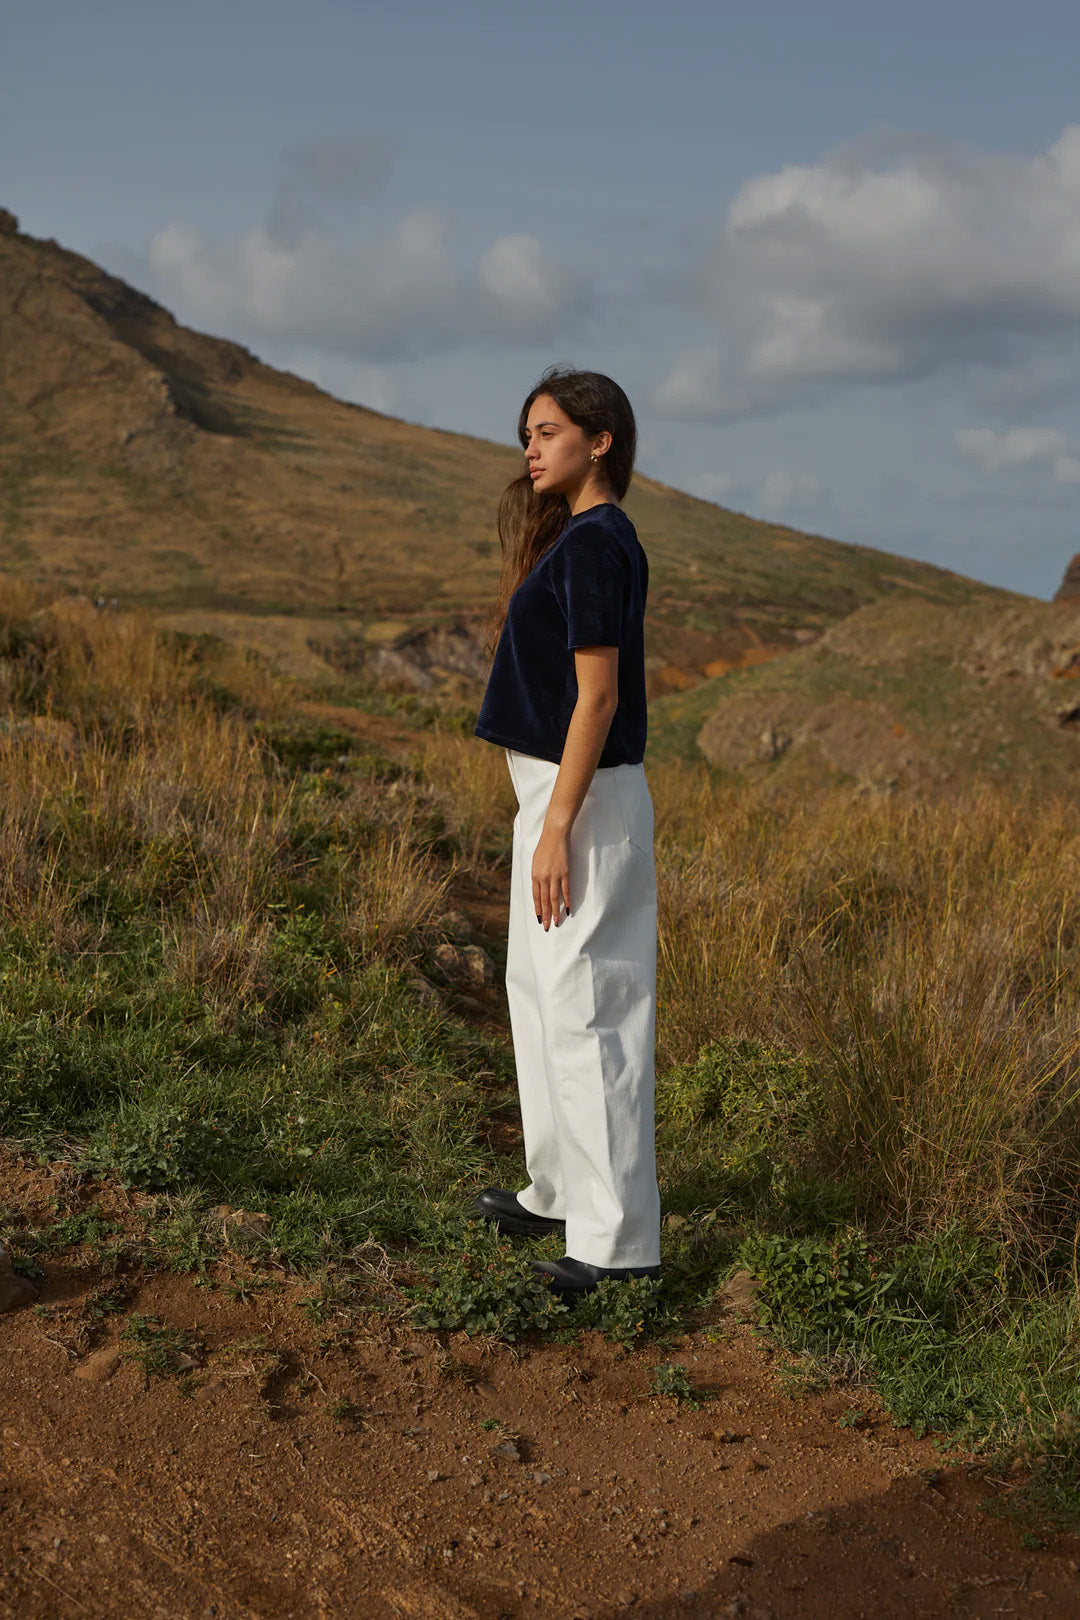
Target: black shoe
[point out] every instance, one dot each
(500, 1207)
(578, 1277)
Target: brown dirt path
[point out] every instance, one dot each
(124, 1495)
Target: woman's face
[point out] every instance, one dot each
(556, 449)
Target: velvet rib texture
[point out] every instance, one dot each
(587, 590)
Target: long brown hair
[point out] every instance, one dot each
(530, 522)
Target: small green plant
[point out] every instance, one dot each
(345, 1411)
(491, 1423)
(485, 1287)
(856, 1418)
(245, 1289)
(105, 1300)
(626, 1310)
(160, 1351)
(673, 1382)
(817, 1289)
(158, 1147)
(88, 1226)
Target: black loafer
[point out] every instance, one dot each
(578, 1277)
(501, 1207)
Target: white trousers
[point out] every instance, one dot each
(582, 1000)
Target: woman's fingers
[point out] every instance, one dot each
(549, 894)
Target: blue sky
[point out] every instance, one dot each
(831, 251)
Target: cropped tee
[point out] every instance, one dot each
(587, 590)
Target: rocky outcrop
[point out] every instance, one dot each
(850, 737)
(1070, 585)
(427, 658)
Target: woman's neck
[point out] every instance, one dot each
(592, 494)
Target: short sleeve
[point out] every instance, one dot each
(592, 581)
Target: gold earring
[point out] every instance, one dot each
(593, 456)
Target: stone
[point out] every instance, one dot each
(99, 1365)
(242, 1228)
(464, 964)
(508, 1449)
(1070, 584)
(426, 993)
(457, 925)
(479, 966)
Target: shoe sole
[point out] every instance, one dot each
(514, 1226)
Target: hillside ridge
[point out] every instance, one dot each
(148, 462)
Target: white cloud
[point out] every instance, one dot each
(524, 282)
(396, 292)
(783, 491)
(997, 451)
(399, 295)
(713, 486)
(890, 259)
(1012, 447)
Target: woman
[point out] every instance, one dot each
(565, 699)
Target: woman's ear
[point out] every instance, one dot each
(602, 443)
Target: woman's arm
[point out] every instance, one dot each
(597, 671)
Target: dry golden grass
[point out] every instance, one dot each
(924, 955)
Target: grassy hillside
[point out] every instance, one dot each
(237, 970)
(145, 461)
(926, 697)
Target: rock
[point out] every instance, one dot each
(457, 925)
(9, 224)
(242, 1228)
(508, 1449)
(426, 993)
(480, 967)
(468, 964)
(15, 1291)
(450, 961)
(100, 1365)
(1070, 584)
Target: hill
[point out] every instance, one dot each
(144, 461)
(902, 695)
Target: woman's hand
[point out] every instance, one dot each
(551, 876)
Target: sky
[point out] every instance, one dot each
(831, 251)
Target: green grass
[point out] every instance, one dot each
(211, 915)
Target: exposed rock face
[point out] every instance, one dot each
(421, 660)
(850, 736)
(1070, 585)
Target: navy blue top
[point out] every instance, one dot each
(587, 590)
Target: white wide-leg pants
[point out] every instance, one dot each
(582, 1001)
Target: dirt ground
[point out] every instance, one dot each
(462, 1481)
